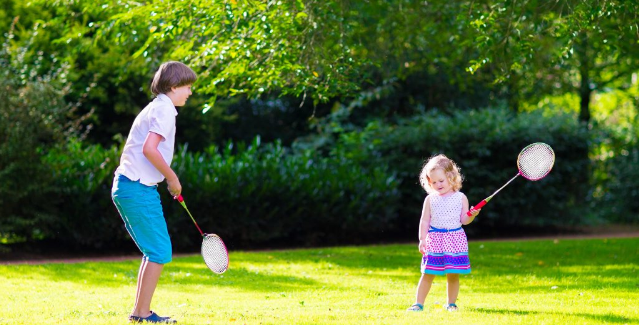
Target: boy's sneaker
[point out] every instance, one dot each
(154, 318)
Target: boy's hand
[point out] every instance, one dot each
(174, 186)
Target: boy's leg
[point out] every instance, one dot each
(147, 282)
(425, 282)
(137, 290)
(453, 287)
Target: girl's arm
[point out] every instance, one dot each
(465, 219)
(424, 225)
(151, 152)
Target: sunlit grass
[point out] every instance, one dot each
(591, 281)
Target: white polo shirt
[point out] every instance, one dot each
(157, 117)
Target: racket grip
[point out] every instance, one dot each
(179, 198)
(478, 206)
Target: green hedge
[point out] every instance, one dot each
(616, 194)
(363, 188)
(265, 194)
(33, 119)
(86, 216)
(252, 195)
(485, 144)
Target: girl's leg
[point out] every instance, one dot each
(453, 287)
(425, 282)
(147, 282)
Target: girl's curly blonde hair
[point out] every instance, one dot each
(447, 166)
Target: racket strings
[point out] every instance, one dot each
(536, 161)
(215, 254)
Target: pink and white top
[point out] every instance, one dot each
(445, 211)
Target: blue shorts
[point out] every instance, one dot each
(140, 208)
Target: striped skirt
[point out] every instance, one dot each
(447, 252)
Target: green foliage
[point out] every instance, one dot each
(244, 47)
(621, 199)
(265, 194)
(537, 48)
(616, 160)
(34, 118)
(86, 216)
(589, 281)
(254, 195)
(485, 143)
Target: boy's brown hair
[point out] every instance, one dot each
(172, 74)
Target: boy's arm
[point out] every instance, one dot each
(465, 219)
(151, 152)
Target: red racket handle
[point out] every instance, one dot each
(181, 200)
(478, 206)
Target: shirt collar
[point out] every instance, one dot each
(166, 99)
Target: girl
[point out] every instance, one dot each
(442, 240)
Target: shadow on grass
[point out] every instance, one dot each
(608, 318)
(191, 271)
(593, 263)
(183, 271)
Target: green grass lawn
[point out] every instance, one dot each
(592, 281)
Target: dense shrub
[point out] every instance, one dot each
(485, 143)
(252, 195)
(265, 194)
(34, 118)
(616, 158)
(363, 188)
(85, 214)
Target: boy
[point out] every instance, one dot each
(145, 162)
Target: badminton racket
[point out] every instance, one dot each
(214, 252)
(534, 162)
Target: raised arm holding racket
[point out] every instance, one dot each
(534, 162)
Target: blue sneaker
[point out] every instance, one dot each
(451, 307)
(154, 318)
(416, 307)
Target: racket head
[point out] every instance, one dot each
(535, 161)
(215, 254)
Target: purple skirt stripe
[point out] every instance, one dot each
(447, 252)
(445, 264)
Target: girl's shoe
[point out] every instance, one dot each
(154, 318)
(451, 307)
(416, 307)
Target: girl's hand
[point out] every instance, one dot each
(465, 219)
(422, 246)
(473, 212)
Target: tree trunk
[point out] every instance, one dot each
(585, 91)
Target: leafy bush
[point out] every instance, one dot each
(85, 214)
(266, 194)
(252, 195)
(616, 194)
(33, 119)
(485, 143)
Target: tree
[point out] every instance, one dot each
(540, 48)
(34, 119)
(245, 47)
